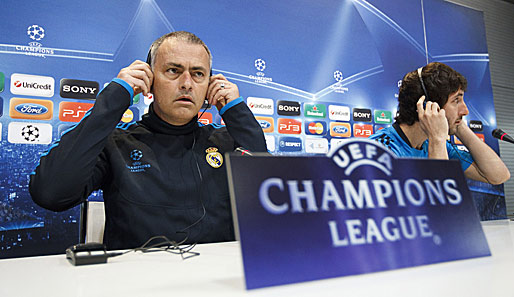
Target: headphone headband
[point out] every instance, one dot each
(422, 83)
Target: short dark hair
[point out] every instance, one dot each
(179, 35)
(440, 81)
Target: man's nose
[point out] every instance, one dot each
(186, 81)
(464, 109)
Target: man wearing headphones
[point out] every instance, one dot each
(430, 107)
(165, 174)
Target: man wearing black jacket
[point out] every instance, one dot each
(164, 175)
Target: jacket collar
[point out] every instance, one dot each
(152, 121)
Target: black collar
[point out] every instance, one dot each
(153, 122)
(399, 130)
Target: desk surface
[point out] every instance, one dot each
(218, 271)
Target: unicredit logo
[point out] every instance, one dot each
(28, 85)
(33, 85)
(260, 105)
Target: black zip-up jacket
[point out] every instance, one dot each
(156, 178)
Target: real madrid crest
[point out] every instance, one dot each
(213, 157)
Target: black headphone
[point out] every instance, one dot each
(206, 104)
(423, 86)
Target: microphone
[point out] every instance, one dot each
(501, 135)
(243, 151)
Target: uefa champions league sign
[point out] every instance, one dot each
(358, 210)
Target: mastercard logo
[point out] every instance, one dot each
(316, 128)
(128, 116)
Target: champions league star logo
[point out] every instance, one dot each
(338, 76)
(260, 64)
(338, 86)
(137, 166)
(30, 133)
(136, 155)
(36, 32)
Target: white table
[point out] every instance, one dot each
(218, 272)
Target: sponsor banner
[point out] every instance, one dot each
(361, 115)
(316, 145)
(339, 113)
(260, 105)
(63, 128)
(360, 208)
(290, 144)
(130, 115)
(340, 129)
(362, 130)
(289, 126)
(29, 133)
(476, 126)
(270, 142)
(267, 124)
(78, 89)
(33, 109)
(380, 127)
(73, 111)
(137, 98)
(336, 142)
(288, 108)
(2, 82)
(148, 99)
(33, 85)
(315, 110)
(315, 128)
(206, 118)
(383, 117)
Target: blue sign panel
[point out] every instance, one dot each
(358, 211)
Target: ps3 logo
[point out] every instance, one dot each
(73, 111)
(289, 126)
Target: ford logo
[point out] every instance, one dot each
(31, 108)
(264, 124)
(340, 129)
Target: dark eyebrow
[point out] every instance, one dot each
(195, 68)
(201, 68)
(174, 64)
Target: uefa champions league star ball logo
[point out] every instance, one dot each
(136, 155)
(260, 76)
(338, 86)
(36, 32)
(260, 64)
(30, 133)
(338, 76)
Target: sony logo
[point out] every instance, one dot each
(79, 89)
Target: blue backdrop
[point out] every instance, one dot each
(336, 54)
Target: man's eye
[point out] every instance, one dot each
(172, 70)
(199, 74)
